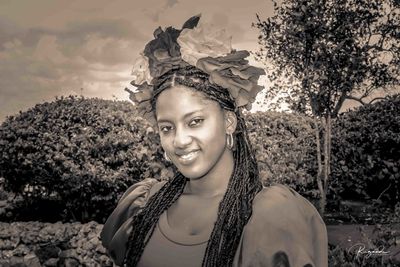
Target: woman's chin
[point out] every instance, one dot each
(191, 174)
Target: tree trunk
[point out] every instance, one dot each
(324, 169)
(322, 199)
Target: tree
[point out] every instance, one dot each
(322, 52)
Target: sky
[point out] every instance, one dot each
(51, 48)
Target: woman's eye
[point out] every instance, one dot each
(165, 129)
(195, 122)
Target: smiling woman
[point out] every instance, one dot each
(193, 132)
(215, 211)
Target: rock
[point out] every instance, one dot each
(51, 262)
(69, 253)
(47, 252)
(105, 260)
(29, 237)
(17, 262)
(5, 263)
(21, 250)
(3, 203)
(88, 246)
(6, 254)
(71, 262)
(4, 231)
(6, 244)
(32, 260)
(101, 249)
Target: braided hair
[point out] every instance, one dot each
(235, 208)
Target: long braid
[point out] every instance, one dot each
(143, 223)
(234, 210)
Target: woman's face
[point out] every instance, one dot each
(192, 131)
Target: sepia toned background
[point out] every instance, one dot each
(59, 154)
(52, 48)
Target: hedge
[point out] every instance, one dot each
(81, 154)
(366, 152)
(285, 149)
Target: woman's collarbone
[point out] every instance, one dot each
(193, 215)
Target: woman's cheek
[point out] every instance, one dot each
(165, 142)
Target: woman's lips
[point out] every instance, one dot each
(187, 158)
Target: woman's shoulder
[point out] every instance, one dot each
(134, 198)
(283, 225)
(115, 231)
(141, 191)
(284, 201)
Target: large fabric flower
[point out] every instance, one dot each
(201, 46)
(203, 41)
(235, 74)
(141, 71)
(142, 99)
(164, 51)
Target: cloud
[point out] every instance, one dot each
(171, 3)
(157, 11)
(40, 63)
(56, 47)
(114, 36)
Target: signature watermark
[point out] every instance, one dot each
(361, 250)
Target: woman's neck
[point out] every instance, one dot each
(215, 182)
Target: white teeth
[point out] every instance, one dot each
(187, 156)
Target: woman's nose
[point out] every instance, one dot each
(182, 138)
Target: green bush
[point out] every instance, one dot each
(365, 152)
(82, 153)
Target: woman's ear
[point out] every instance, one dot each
(230, 122)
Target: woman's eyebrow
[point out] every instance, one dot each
(193, 112)
(184, 116)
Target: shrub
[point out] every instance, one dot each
(365, 152)
(285, 149)
(82, 153)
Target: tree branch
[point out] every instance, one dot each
(358, 99)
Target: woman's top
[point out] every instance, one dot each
(284, 229)
(167, 247)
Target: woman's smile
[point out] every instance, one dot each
(188, 157)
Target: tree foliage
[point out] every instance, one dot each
(323, 52)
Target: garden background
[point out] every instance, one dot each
(65, 162)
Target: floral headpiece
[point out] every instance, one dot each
(199, 46)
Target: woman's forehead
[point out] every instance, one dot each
(181, 100)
